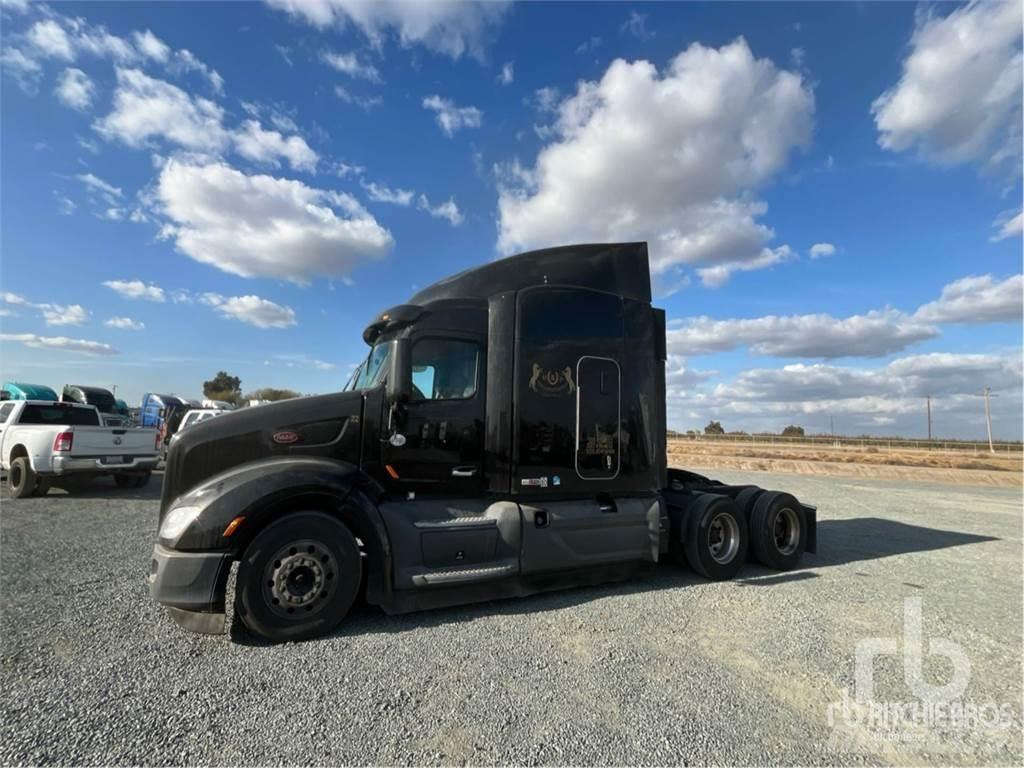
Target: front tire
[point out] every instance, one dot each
(21, 479)
(298, 578)
(716, 537)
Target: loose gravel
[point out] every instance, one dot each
(666, 670)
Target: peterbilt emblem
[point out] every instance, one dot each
(284, 438)
(117, 441)
(553, 381)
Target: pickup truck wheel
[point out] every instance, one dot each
(716, 539)
(778, 533)
(141, 481)
(298, 578)
(21, 479)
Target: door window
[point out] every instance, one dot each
(5, 411)
(444, 369)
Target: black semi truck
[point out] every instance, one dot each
(505, 435)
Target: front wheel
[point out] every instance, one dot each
(298, 578)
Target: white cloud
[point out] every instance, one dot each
(75, 89)
(451, 118)
(252, 310)
(877, 333)
(716, 124)
(65, 205)
(382, 194)
(447, 210)
(507, 74)
(151, 46)
(822, 249)
(349, 64)
(255, 143)
(452, 27)
(185, 61)
(23, 68)
(1009, 225)
(363, 102)
(95, 182)
(125, 324)
(258, 225)
(49, 38)
(862, 400)
(977, 299)
(60, 343)
(636, 25)
(52, 314)
(146, 108)
(959, 98)
(136, 289)
(304, 360)
(56, 314)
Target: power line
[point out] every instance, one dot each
(988, 415)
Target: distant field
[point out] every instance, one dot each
(953, 466)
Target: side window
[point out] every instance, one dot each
(444, 369)
(5, 411)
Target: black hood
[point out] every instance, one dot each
(325, 425)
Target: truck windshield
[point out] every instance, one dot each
(64, 415)
(370, 370)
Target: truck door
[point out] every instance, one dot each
(442, 426)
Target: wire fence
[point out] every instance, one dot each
(861, 443)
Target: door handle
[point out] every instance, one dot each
(463, 471)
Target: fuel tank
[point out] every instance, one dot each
(327, 426)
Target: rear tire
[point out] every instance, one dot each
(141, 481)
(778, 531)
(716, 537)
(298, 578)
(21, 478)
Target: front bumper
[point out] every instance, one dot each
(63, 465)
(191, 585)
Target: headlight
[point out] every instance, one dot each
(177, 520)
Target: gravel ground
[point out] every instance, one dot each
(665, 670)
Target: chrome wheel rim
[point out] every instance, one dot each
(786, 531)
(299, 579)
(723, 538)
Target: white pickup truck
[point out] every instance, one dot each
(41, 441)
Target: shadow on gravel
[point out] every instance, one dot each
(839, 542)
(870, 538)
(106, 488)
(368, 619)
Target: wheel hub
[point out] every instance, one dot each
(786, 531)
(723, 538)
(300, 577)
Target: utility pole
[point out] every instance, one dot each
(988, 419)
(929, 401)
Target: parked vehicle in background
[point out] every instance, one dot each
(505, 435)
(16, 390)
(153, 408)
(195, 415)
(221, 405)
(42, 441)
(102, 399)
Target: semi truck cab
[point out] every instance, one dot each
(506, 434)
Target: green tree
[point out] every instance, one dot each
(793, 431)
(223, 387)
(714, 428)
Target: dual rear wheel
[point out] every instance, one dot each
(768, 525)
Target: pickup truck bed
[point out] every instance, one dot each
(41, 441)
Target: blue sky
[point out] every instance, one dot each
(832, 192)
